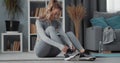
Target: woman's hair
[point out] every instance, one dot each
(53, 4)
(57, 5)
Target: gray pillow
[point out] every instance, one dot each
(104, 14)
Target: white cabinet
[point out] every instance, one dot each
(11, 42)
(36, 8)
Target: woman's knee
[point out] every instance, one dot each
(50, 28)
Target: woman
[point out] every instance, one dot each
(51, 40)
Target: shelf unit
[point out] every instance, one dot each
(33, 7)
(11, 42)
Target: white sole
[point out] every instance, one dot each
(87, 58)
(71, 57)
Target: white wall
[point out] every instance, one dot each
(113, 5)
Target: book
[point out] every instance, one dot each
(33, 41)
(36, 12)
(16, 46)
(8, 45)
(42, 11)
(32, 28)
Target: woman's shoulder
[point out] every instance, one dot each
(40, 22)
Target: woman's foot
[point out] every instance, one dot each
(85, 56)
(72, 57)
(70, 54)
(67, 51)
(82, 51)
(73, 48)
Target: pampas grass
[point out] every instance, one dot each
(76, 13)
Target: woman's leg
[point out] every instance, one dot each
(53, 52)
(75, 41)
(41, 48)
(70, 43)
(64, 37)
(71, 40)
(51, 32)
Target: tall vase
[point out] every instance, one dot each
(77, 28)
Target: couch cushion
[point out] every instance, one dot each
(118, 12)
(99, 22)
(104, 14)
(117, 32)
(114, 22)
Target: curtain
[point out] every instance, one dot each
(91, 6)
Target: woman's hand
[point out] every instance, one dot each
(73, 48)
(65, 49)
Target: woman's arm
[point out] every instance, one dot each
(63, 34)
(41, 33)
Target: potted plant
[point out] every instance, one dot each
(14, 10)
(76, 13)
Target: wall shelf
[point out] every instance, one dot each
(11, 42)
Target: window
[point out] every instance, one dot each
(113, 5)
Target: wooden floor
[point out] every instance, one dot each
(31, 58)
(98, 60)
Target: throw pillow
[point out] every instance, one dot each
(114, 22)
(100, 21)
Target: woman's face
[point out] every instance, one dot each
(54, 14)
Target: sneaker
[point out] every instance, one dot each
(73, 57)
(68, 53)
(85, 57)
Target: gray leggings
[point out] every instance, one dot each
(43, 49)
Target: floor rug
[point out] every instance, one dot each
(106, 55)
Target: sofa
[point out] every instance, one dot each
(94, 35)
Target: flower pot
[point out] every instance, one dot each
(12, 25)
